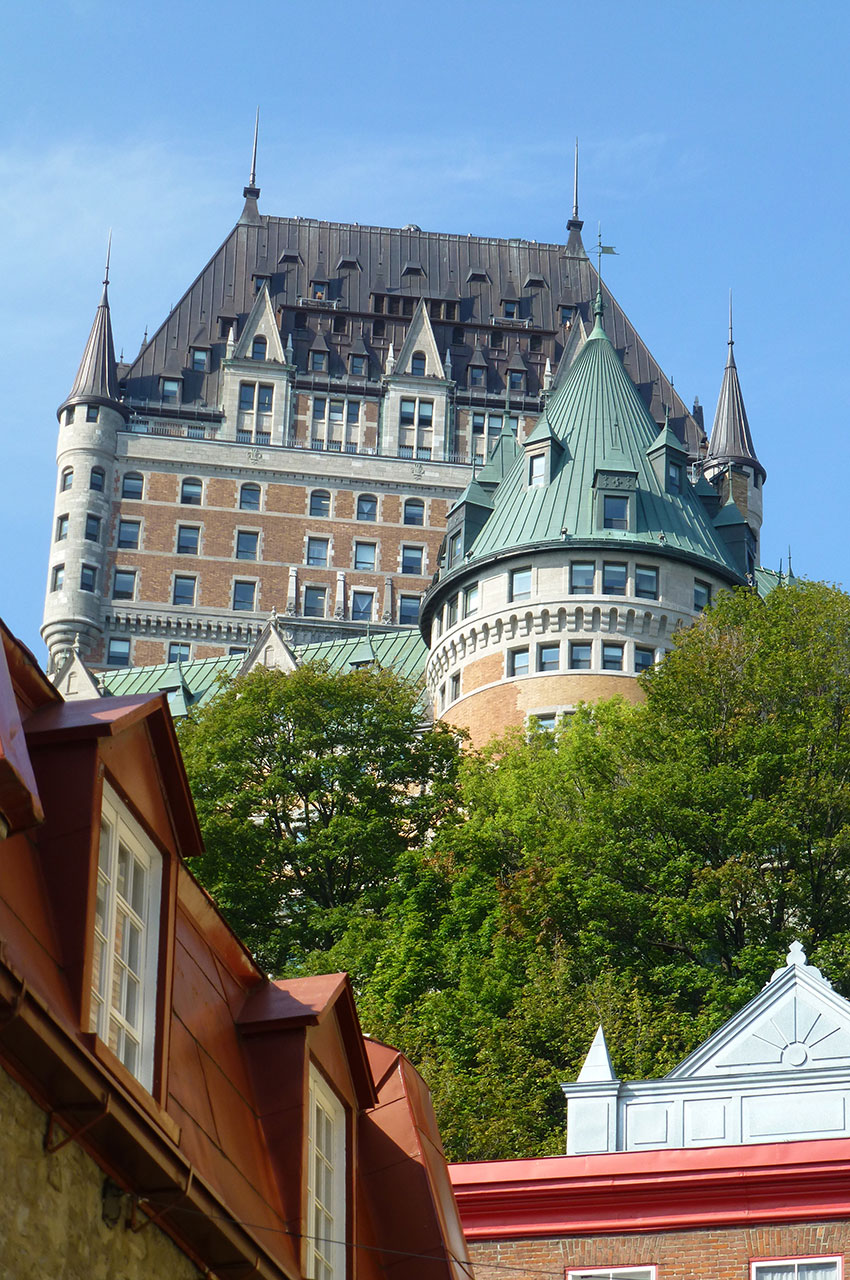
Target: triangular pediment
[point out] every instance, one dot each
(420, 338)
(271, 651)
(261, 323)
(74, 680)
(796, 1024)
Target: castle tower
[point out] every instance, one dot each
(731, 463)
(89, 420)
(572, 558)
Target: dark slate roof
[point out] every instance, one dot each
(730, 436)
(596, 421)
(293, 251)
(97, 379)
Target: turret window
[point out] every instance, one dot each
(57, 577)
(616, 511)
(124, 584)
(61, 528)
(537, 470)
(646, 582)
(614, 578)
(88, 578)
(92, 533)
(470, 600)
(97, 479)
(67, 479)
(644, 659)
(582, 576)
(518, 662)
(92, 412)
(702, 596)
(548, 657)
(455, 548)
(451, 612)
(191, 492)
(454, 686)
(69, 415)
(132, 485)
(612, 657)
(520, 584)
(128, 534)
(580, 654)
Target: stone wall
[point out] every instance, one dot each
(51, 1210)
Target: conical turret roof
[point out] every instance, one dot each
(97, 379)
(730, 436)
(602, 427)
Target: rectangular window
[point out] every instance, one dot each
(88, 578)
(358, 366)
(702, 596)
(545, 722)
(451, 612)
(582, 575)
(92, 533)
(124, 584)
(816, 1268)
(188, 539)
(536, 470)
(118, 652)
(644, 659)
(128, 534)
(247, 543)
(337, 412)
(246, 396)
(579, 656)
(516, 380)
(61, 528)
(614, 577)
(200, 359)
(317, 551)
(454, 686)
(411, 560)
(454, 548)
(646, 582)
(314, 602)
(407, 413)
(517, 662)
(476, 377)
(170, 391)
(364, 556)
(183, 591)
(548, 657)
(352, 412)
(179, 651)
(367, 507)
(91, 412)
(470, 600)
(57, 577)
(408, 611)
(126, 940)
(318, 361)
(617, 1273)
(520, 584)
(426, 414)
(674, 477)
(320, 408)
(361, 606)
(612, 657)
(478, 424)
(615, 511)
(264, 398)
(244, 595)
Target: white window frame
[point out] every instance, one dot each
(328, 1262)
(614, 1273)
(142, 1033)
(820, 1259)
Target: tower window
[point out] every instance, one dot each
(69, 415)
(702, 596)
(612, 657)
(518, 662)
(520, 584)
(582, 575)
(579, 656)
(646, 582)
(644, 659)
(92, 412)
(470, 600)
(61, 528)
(57, 577)
(258, 348)
(92, 533)
(548, 657)
(615, 511)
(67, 478)
(88, 578)
(614, 578)
(97, 478)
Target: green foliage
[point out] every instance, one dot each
(308, 787)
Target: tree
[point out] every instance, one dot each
(308, 788)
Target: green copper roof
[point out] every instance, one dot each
(403, 651)
(601, 425)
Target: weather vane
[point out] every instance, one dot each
(600, 249)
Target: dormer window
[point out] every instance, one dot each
(258, 348)
(510, 309)
(319, 290)
(318, 361)
(170, 390)
(476, 376)
(200, 359)
(675, 474)
(615, 511)
(417, 364)
(126, 940)
(325, 1225)
(516, 380)
(536, 471)
(358, 366)
(259, 281)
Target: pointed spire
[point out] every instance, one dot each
(250, 213)
(575, 223)
(97, 379)
(731, 442)
(597, 1065)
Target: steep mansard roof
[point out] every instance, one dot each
(357, 262)
(596, 422)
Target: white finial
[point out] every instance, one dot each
(796, 962)
(796, 954)
(390, 359)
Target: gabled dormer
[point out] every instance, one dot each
(476, 377)
(466, 520)
(419, 356)
(516, 374)
(736, 535)
(544, 453)
(260, 336)
(669, 460)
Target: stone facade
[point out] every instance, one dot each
(61, 1216)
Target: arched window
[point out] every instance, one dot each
(417, 364)
(249, 497)
(367, 507)
(320, 503)
(97, 479)
(258, 349)
(191, 492)
(67, 478)
(132, 485)
(414, 511)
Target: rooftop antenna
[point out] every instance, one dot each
(252, 181)
(790, 571)
(575, 186)
(108, 256)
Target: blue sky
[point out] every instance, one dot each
(713, 151)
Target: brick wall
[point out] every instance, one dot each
(708, 1254)
(51, 1210)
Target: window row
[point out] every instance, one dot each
(91, 528)
(612, 578)
(118, 651)
(582, 655)
(365, 556)
(97, 479)
(805, 1268)
(92, 413)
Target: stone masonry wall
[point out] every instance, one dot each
(712, 1253)
(51, 1219)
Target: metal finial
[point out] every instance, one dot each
(575, 185)
(108, 256)
(731, 339)
(790, 571)
(252, 181)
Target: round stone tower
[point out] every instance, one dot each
(89, 420)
